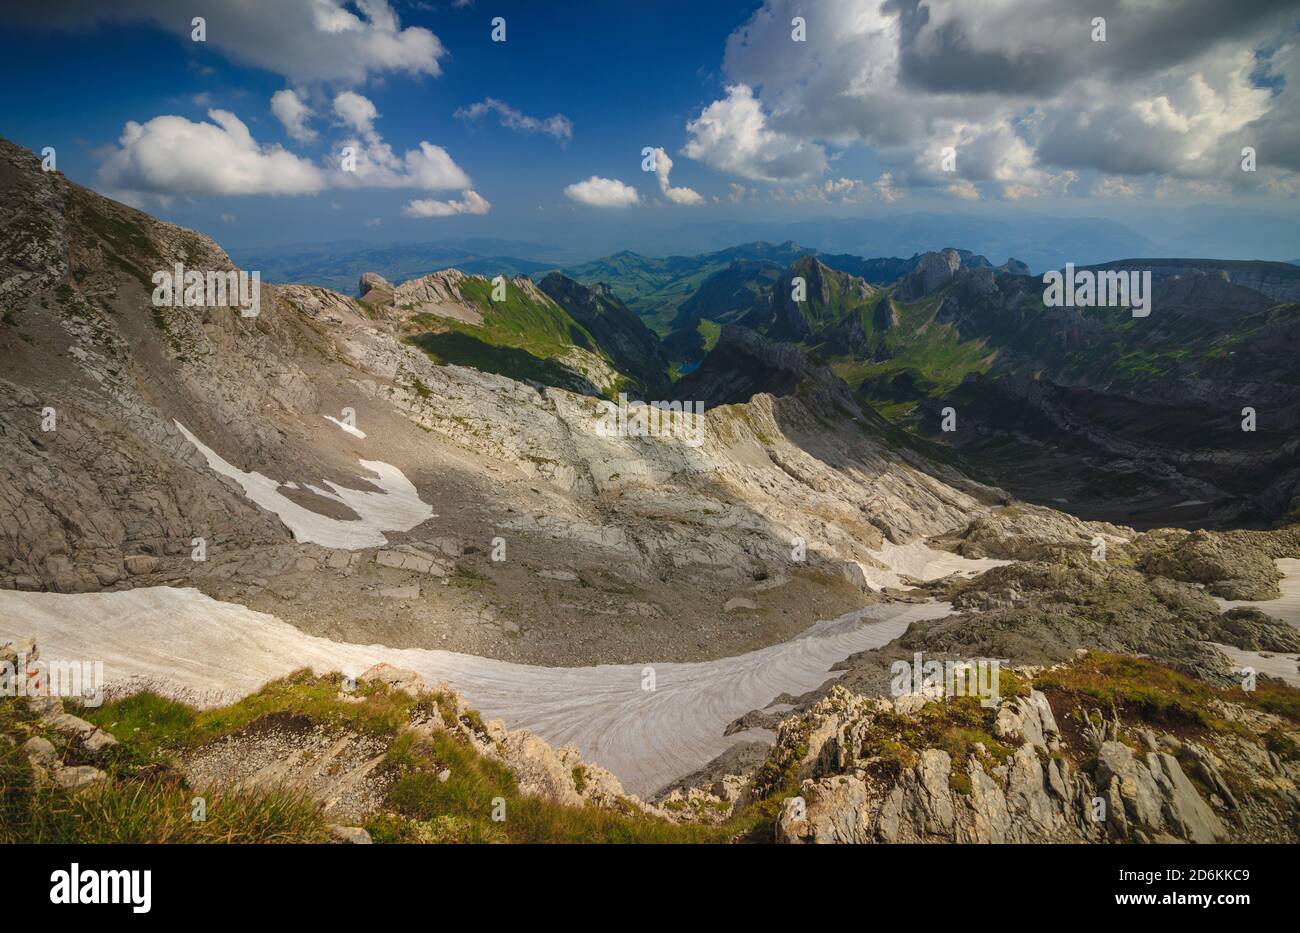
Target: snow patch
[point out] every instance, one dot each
(920, 562)
(396, 508)
(354, 431)
(182, 643)
(1287, 606)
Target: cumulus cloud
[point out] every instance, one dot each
(664, 165)
(356, 111)
(842, 191)
(377, 166)
(1110, 186)
(732, 135)
(886, 190)
(1177, 90)
(309, 40)
(430, 167)
(293, 112)
(172, 155)
(470, 203)
(558, 125)
(965, 190)
(603, 192)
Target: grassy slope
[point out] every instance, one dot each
(933, 353)
(520, 337)
(146, 798)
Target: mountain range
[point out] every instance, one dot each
(382, 545)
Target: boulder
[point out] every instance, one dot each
(395, 677)
(140, 564)
(350, 835)
(79, 778)
(830, 810)
(41, 752)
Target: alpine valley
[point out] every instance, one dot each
(362, 566)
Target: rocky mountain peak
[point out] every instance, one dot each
(932, 272)
(371, 281)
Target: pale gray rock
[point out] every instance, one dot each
(350, 835)
(140, 564)
(40, 751)
(79, 778)
(833, 808)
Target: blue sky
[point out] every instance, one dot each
(852, 122)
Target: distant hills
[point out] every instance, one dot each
(1040, 242)
(1087, 408)
(339, 265)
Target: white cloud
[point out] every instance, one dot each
(430, 167)
(732, 135)
(603, 192)
(356, 111)
(886, 190)
(737, 193)
(844, 189)
(171, 155)
(303, 40)
(1111, 186)
(471, 203)
(293, 112)
(965, 190)
(1177, 90)
(228, 218)
(559, 126)
(664, 165)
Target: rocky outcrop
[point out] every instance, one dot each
(1023, 783)
(438, 294)
(1237, 565)
(932, 272)
(631, 345)
(374, 287)
(559, 775)
(23, 674)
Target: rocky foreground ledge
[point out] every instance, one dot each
(925, 770)
(1102, 748)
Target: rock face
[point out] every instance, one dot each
(1017, 799)
(630, 344)
(932, 272)
(857, 786)
(373, 282)
(1232, 566)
